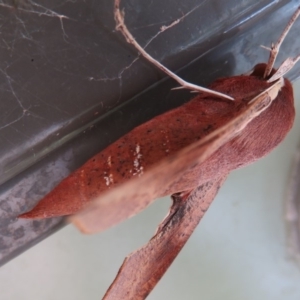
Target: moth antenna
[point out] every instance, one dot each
(120, 25)
(271, 91)
(275, 48)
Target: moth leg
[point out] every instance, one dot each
(292, 210)
(142, 269)
(120, 25)
(275, 48)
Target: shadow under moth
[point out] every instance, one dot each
(186, 152)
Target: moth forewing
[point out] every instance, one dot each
(130, 198)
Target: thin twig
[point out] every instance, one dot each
(119, 18)
(275, 48)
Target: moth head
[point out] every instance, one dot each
(264, 132)
(259, 70)
(268, 129)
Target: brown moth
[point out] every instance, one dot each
(187, 152)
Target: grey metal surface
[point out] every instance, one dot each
(70, 84)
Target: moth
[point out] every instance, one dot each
(187, 152)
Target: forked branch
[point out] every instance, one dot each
(119, 18)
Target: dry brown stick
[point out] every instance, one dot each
(142, 270)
